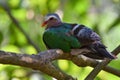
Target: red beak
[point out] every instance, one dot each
(44, 23)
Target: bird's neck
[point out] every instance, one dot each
(53, 24)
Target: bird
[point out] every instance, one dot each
(67, 36)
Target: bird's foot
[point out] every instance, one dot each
(79, 51)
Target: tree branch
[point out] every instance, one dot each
(112, 70)
(82, 62)
(43, 62)
(101, 65)
(7, 9)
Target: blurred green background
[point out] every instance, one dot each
(103, 16)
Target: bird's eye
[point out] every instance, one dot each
(51, 18)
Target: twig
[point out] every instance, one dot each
(116, 50)
(82, 62)
(96, 70)
(7, 9)
(112, 70)
(101, 65)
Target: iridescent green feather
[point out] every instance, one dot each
(57, 38)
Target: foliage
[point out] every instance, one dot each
(103, 16)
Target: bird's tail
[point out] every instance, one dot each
(100, 50)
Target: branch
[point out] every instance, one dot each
(97, 69)
(43, 62)
(115, 23)
(112, 70)
(82, 62)
(7, 9)
(101, 65)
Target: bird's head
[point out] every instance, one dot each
(51, 20)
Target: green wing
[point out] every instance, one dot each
(56, 38)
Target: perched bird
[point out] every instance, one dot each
(67, 36)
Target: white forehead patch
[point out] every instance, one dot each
(48, 17)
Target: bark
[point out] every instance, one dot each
(43, 62)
